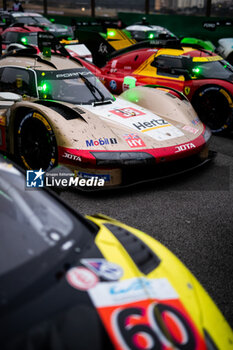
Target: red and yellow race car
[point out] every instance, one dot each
(203, 76)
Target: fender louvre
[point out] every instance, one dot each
(143, 257)
(64, 111)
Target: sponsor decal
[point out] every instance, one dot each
(72, 156)
(152, 316)
(127, 112)
(105, 177)
(113, 84)
(104, 268)
(196, 121)
(35, 178)
(103, 49)
(132, 290)
(207, 59)
(190, 129)
(19, 82)
(134, 141)
(152, 124)
(101, 142)
(81, 278)
(187, 90)
(185, 147)
(114, 63)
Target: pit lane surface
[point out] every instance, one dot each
(192, 215)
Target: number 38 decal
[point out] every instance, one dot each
(158, 327)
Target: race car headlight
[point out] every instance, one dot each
(123, 158)
(209, 341)
(207, 134)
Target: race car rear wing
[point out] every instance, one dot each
(99, 47)
(47, 44)
(102, 50)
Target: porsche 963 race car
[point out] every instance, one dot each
(69, 282)
(62, 114)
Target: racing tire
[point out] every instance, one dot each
(214, 107)
(36, 143)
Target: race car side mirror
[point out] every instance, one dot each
(10, 96)
(158, 63)
(181, 71)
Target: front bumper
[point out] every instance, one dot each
(122, 171)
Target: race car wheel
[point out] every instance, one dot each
(36, 142)
(214, 107)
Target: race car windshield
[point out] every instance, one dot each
(42, 20)
(209, 70)
(31, 221)
(22, 38)
(77, 86)
(25, 20)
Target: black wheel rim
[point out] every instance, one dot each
(213, 109)
(36, 144)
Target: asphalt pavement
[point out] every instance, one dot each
(191, 214)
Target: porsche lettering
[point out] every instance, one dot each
(67, 75)
(185, 147)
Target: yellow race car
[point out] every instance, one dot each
(69, 282)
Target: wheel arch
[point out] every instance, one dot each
(225, 92)
(15, 119)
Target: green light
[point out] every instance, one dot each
(196, 70)
(24, 40)
(129, 82)
(52, 20)
(151, 36)
(44, 87)
(69, 38)
(47, 52)
(111, 33)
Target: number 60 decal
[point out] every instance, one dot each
(166, 328)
